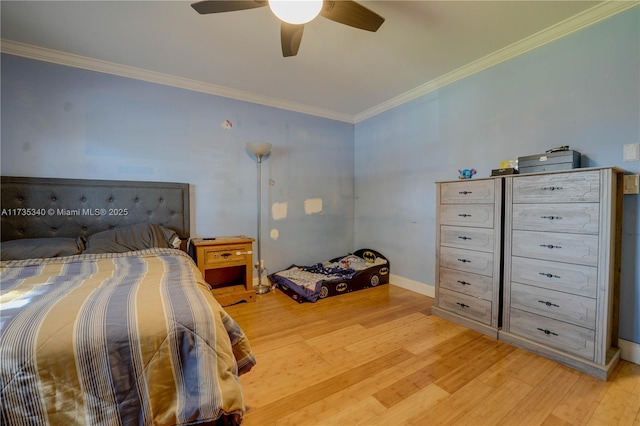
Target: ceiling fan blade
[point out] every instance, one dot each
(290, 37)
(350, 13)
(219, 6)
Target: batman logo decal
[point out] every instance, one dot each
(341, 287)
(369, 256)
(384, 271)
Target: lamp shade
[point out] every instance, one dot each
(259, 148)
(295, 12)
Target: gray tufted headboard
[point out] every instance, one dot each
(52, 207)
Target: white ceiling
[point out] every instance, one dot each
(340, 72)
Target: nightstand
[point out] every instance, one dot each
(226, 265)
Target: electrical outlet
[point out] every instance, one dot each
(631, 184)
(631, 152)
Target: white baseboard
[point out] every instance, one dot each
(630, 351)
(415, 286)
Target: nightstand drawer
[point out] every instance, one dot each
(480, 215)
(582, 219)
(228, 255)
(470, 238)
(467, 306)
(557, 188)
(557, 334)
(476, 262)
(565, 307)
(473, 192)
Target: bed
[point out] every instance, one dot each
(361, 269)
(104, 320)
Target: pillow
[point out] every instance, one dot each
(129, 238)
(35, 248)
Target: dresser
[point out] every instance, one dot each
(562, 234)
(468, 253)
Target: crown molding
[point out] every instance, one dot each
(585, 19)
(77, 61)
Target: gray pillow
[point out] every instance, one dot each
(36, 248)
(129, 238)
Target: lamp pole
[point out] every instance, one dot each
(260, 149)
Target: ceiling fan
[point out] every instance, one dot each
(345, 12)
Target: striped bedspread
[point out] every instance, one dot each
(129, 338)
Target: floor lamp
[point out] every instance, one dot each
(260, 149)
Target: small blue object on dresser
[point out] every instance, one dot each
(466, 173)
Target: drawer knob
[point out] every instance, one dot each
(549, 246)
(548, 303)
(465, 192)
(547, 332)
(548, 275)
(225, 255)
(462, 305)
(551, 217)
(465, 238)
(464, 282)
(464, 215)
(464, 260)
(551, 188)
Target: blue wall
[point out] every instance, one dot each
(375, 179)
(59, 121)
(582, 90)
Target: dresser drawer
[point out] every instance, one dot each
(557, 188)
(463, 282)
(467, 306)
(472, 191)
(567, 277)
(476, 262)
(566, 337)
(583, 218)
(565, 307)
(225, 256)
(571, 248)
(463, 237)
(480, 215)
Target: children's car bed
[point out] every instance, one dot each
(362, 269)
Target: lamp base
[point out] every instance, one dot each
(262, 289)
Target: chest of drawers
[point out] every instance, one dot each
(561, 266)
(468, 253)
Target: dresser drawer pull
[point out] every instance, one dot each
(551, 217)
(547, 331)
(464, 282)
(242, 253)
(465, 238)
(548, 303)
(549, 246)
(464, 260)
(465, 192)
(464, 215)
(225, 255)
(462, 305)
(548, 275)
(551, 188)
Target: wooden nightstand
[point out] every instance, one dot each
(226, 264)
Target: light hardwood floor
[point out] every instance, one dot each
(378, 357)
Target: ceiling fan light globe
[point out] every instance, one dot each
(295, 11)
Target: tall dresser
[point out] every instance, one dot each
(468, 253)
(562, 264)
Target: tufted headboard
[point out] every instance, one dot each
(52, 207)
